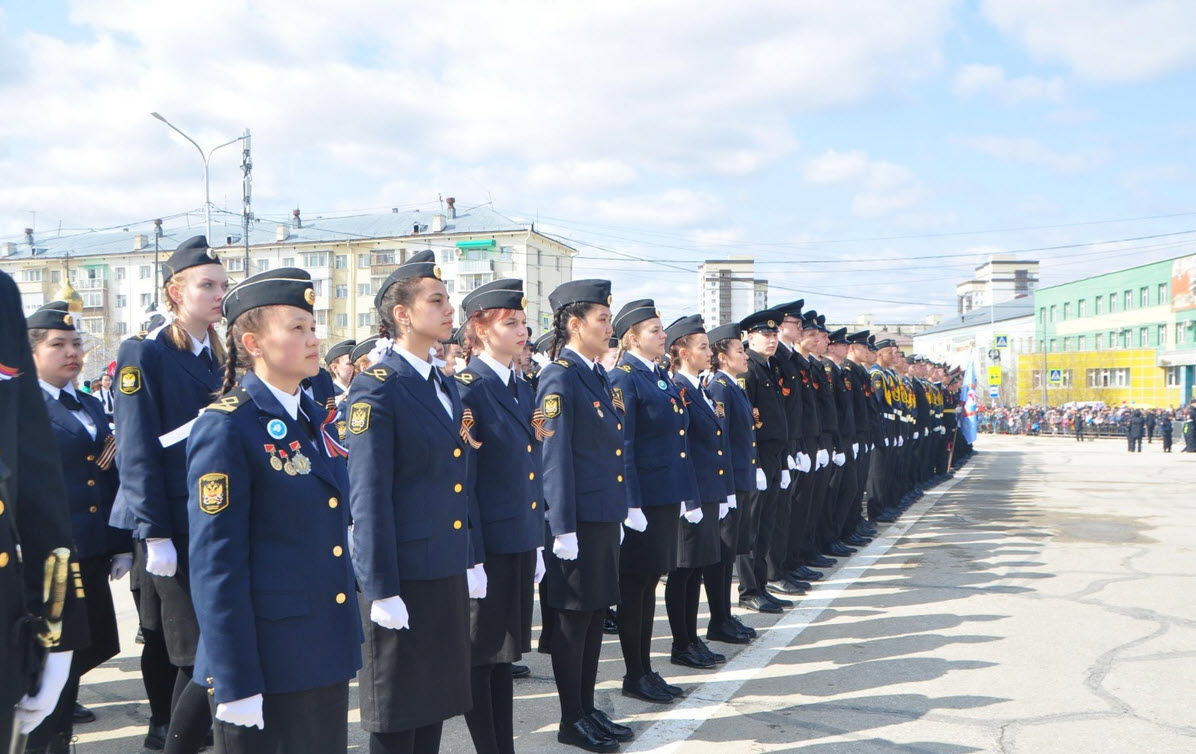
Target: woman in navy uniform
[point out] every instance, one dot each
(728, 359)
(87, 450)
(272, 583)
(340, 366)
(505, 482)
(360, 355)
(582, 458)
(659, 481)
(410, 449)
(162, 384)
(709, 461)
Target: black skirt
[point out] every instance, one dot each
(101, 617)
(591, 582)
(698, 545)
(165, 604)
(500, 626)
(419, 675)
(654, 550)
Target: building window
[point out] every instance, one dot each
(506, 253)
(1173, 376)
(144, 272)
(1054, 345)
(121, 301)
(1097, 306)
(1100, 341)
(1067, 344)
(31, 276)
(321, 318)
(363, 261)
(1127, 300)
(1041, 312)
(1112, 339)
(320, 287)
(1144, 297)
(1098, 378)
(1162, 294)
(234, 264)
(94, 325)
(1112, 303)
(1066, 310)
(1081, 343)
(120, 273)
(363, 319)
(384, 257)
(1127, 338)
(122, 328)
(363, 289)
(314, 259)
(1064, 382)
(1143, 337)
(288, 261)
(55, 276)
(539, 258)
(1053, 307)
(450, 285)
(342, 291)
(1161, 336)
(342, 261)
(145, 300)
(1080, 308)
(342, 320)
(93, 299)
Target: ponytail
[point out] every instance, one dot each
(560, 324)
(230, 365)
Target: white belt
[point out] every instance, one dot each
(177, 435)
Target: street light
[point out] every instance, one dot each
(207, 201)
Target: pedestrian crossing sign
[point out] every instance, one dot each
(1002, 341)
(1055, 377)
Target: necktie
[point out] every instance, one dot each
(69, 401)
(600, 373)
(437, 385)
(306, 423)
(205, 355)
(512, 387)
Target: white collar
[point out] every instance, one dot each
(650, 364)
(503, 372)
(55, 392)
(198, 345)
(589, 364)
(782, 344)
(730, 376)
(691, 380)
(423, 367)
(290, 403)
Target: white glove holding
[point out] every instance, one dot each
(839, 458)
(694, 516)
(732, 502)
(886, 442)
(723, 510)
(871, 447)
(120, 565)
(540, 569)
(785, 479)
(761, 480)
(564, 546)
(244, 712)
(823, 458)
(390, 613)
(161, 559)
(635, 520)
(901, 442)
(622, 533)
(855, 450)
(791, 462)
(476, 579)
(31, 710)
(916, 435)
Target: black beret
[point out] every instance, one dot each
(52, 316)
(344, 348)
(287, 286)
(886, 343)
(791, 309)
(682, 327)
(580, 291)
(632, 314)
(858, 338)
(821, 319)
(421, 264)
(762, 321)
(731, 330)
(839, 337)
(497, 294)
(363, 347)
(191, 253)
(542, 343)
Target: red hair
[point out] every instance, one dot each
(472, 342)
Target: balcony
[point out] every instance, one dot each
(474, 266)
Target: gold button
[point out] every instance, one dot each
(91, 483)
(529, 448)
(753, 461)
(618, 451)
(753, 443)
(457, 487)
(3, 559)
(720, 472)
(619, 427)
(92, 509)
(531, 476)
(1, 507)
(337, 551)
(718, 433)
(681, 432)
(211, 692)
(211, 679)
(91, 458)
(457, 524)
(533, 505)
(340, 598)
(456, 452)
(720, 452)
(683, 454)
(620, 477)
(333, 502)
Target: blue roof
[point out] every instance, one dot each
(1006, 310)
(263, 232)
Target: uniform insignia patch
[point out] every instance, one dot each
(213, 493)
(130, 380)
(359, 418)
(742, 383)
(626, 368)
(379, 373)
(310, 297)
(719, 410)
(341, 427)
(562, 362)
(617, 399)
(231, 401)
(464, 377)
(552, 406)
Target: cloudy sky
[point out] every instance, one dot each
(869, 153)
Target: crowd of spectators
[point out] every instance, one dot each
(1098, 420)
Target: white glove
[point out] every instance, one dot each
(246, 712)
(855, 450)
(839, 459)
(761, 480)
(901, 441)
(622, 533)
(785, 479)
(886, 442)
(31, 710)
(732, 502)
(871, 447)
(723, 510)
(635, 519)
(916, 435)
(390, 613)
(791, 462)
(161, 559)
(120, 565)
(564, 546)
(694, 516)
(823, 458)
(476, 579)
(539, 564)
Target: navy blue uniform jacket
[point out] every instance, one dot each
(709, 448)
(740, 428)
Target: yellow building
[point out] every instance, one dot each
(1122, 377)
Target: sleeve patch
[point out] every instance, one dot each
(213, 493)
(359, 418)
(552, 406)
(130, 380)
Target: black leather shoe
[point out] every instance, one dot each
(82, 715)
(620, 733)
(155, 737)
(751, 632)
(691, 657)
(585, 734)
(758, 603)
(520, 671)
(841, 550)
(805, 573)
(643, 689)
(865, 530)
(885, 517)
(610, 625)
(856, 540)
(779, 602)
(665, 686)
(719, 659)
(728, 633)
(822, 561)
(788, 586)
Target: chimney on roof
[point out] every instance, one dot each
(394, 210)
(415, 229)
(7, 249)
(139, 241)
(280, 232)
(29, 236)
(452, 209)
(438, 223)
(298, 220)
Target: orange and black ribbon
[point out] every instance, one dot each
(756, 418)
(467, 423)
(538, 425)
(108, 454)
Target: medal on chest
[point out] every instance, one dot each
(300, 462)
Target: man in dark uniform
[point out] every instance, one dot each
(807, 550)
(1137, 427)
(844, 475)
(35, 529)
(868, 426)
(880, 478)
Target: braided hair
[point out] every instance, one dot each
(560, 324)
(239, 359)
(176, 333)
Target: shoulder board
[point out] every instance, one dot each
(722, 382)
(626, 368)
(379, 372)
(563, 362)
(229, 403)
(465, 377)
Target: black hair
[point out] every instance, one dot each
(560, 323)
(400, 292)
(250, 321)
(719, 348)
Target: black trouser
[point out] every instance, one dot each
(681, 597)
(576, 647)
(761, 520)
(787, 517)
(1167, 443)
(843, 484)
(314, 721)
(878, 481)
(1135, 444)
(808, 546)
(490, 720)
(637, 612)
(423, 740)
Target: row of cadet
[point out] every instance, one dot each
(392, 520)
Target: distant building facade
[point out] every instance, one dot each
(729, 290)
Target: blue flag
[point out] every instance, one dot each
(970, 397)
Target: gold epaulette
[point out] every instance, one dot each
(229, 403)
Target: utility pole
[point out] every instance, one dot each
(246, 191)
(157, 281)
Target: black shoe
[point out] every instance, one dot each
(865, 530)
(821, 561)
(779, 602)
(643, 689)
(856, 540)
(805, 573)
(620, 733)
(610, 625)
(719, 659)
(842, 550)
(82, 715)
(691, 657)
(585, 734)
(788, 586)
(664, 685)
(751, 632)
(728, 633)
(758, 603)
(155, 737)
(520, 671)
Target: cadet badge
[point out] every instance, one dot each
(616, 397)
(719, 410)
(359, 418)
(598, 408)
(467, 423)
(552, 406)
(299, 462)
(130, 380)
(213, 493)
(742, 383)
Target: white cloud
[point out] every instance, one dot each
(1104, 40)
(672, 208)
(1029, 151)
(881, 187)
(581, 174)
(978, 79)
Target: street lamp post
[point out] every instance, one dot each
(207, 201)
